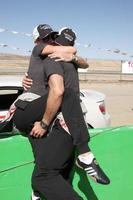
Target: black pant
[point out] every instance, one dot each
(52, 157)
(52, 153)
(72, 113)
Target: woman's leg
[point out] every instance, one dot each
(25, 118)
(72, 113)
(74, 119)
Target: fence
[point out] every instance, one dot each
(107, 76)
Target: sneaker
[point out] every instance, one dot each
(94, 171)
(33, 197)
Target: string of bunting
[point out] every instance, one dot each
(116, 51)
(15, 32)
(12, 47)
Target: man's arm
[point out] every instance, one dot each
(65, 53)
(62, 53)
(70, 57)
(80, 62)
(56, 90)
(26, 82)
(49, 49)
(54, 100)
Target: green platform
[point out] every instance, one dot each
(113, 148)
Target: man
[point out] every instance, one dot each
(52, 153)
(55, 79)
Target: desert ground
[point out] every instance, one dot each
(103, 76)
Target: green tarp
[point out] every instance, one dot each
(113, 148)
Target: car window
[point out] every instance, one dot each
(7, 97)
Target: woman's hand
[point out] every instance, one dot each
(26, 82)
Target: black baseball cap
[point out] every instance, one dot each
(66, 37)
(42, 31)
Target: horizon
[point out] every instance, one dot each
(13, 54)
(104, 59)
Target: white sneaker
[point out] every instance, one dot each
(33, 197)
(94, 171)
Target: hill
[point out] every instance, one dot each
(104, 65)
(15, 64)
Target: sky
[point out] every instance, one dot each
(102, 23)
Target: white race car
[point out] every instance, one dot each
(96, 114)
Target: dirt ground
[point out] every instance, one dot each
(119, 100)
